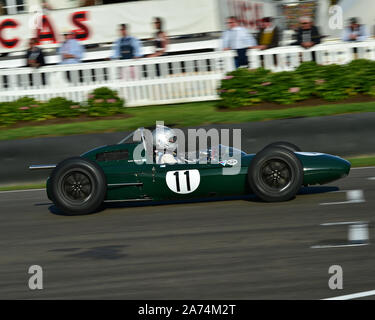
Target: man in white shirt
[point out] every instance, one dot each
(238, 38)
(71, 51)
(355, 31)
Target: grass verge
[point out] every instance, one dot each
(182, 115)
(23, 187)
(366, 161)
(357, 162)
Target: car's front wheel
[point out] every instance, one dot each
(78, 186)
(275, 174)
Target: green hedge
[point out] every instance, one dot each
(101, 102)
(244, 87)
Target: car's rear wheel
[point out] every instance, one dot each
(284, 144)
(78, 186)
(275, 174)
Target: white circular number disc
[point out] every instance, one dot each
(183, 181)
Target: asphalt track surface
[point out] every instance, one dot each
(234, 249)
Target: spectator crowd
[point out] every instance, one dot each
(236, 38)
(126, 47)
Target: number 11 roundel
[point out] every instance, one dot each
(183, 181)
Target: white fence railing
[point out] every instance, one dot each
(164, 80)
(148, 81)
(289, 58)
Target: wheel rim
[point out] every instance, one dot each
(76, 186)
(276, 175)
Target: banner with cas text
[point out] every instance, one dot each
(100, 24)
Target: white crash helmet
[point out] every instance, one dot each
(164, 138)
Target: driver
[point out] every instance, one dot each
(165, 143)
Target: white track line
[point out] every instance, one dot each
(342, 202)
(343, 223)
(353, 196)
(353, 296)
(361, 168)
(340, 246)
(17, 191)
(372, 178)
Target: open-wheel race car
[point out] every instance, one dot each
(80, 185)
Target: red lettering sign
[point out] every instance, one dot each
(83, 32)
(46, 33)
(8, 24)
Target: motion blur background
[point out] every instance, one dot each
(190, 20)
(205, 250)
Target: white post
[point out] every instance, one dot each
(57, 79)
(358, 233)
(254, 59)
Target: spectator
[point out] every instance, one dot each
(237, 38)
(355, 31)
(307, 35)
(35, 59)
(127, 47)
(160, 39)
(34, 55)
(268, 36)
(71, 50)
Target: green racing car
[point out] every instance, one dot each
(81, 185)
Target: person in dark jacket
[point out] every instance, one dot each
(160, 39)
(268, 36)
(35, 59)
(34, 55)
(307, 35)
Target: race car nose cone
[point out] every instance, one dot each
(341, 166)
(346, 165)
(324, 168)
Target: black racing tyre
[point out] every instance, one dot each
(284, 144)
(78, 186)
(275, 174)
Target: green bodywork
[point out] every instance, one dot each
(128, 180)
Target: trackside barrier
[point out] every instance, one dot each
(289, 58)
(146, 81)
(164, 80)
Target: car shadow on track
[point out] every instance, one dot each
(54, 210)
(250, 198)
(317, 190)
